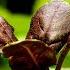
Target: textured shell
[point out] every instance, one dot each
(6, 33)
(52, 22)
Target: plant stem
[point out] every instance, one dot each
(62, 56)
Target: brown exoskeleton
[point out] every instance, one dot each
(6, 33)
(50, 25)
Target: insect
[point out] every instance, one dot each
(6, 32)
(50, 26)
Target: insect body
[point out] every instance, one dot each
(51, 24)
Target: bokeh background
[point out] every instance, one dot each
(18, 13)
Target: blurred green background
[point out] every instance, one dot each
(21, 23)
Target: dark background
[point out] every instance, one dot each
(18, 6)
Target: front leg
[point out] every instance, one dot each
(57, 46)
(63, 54)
